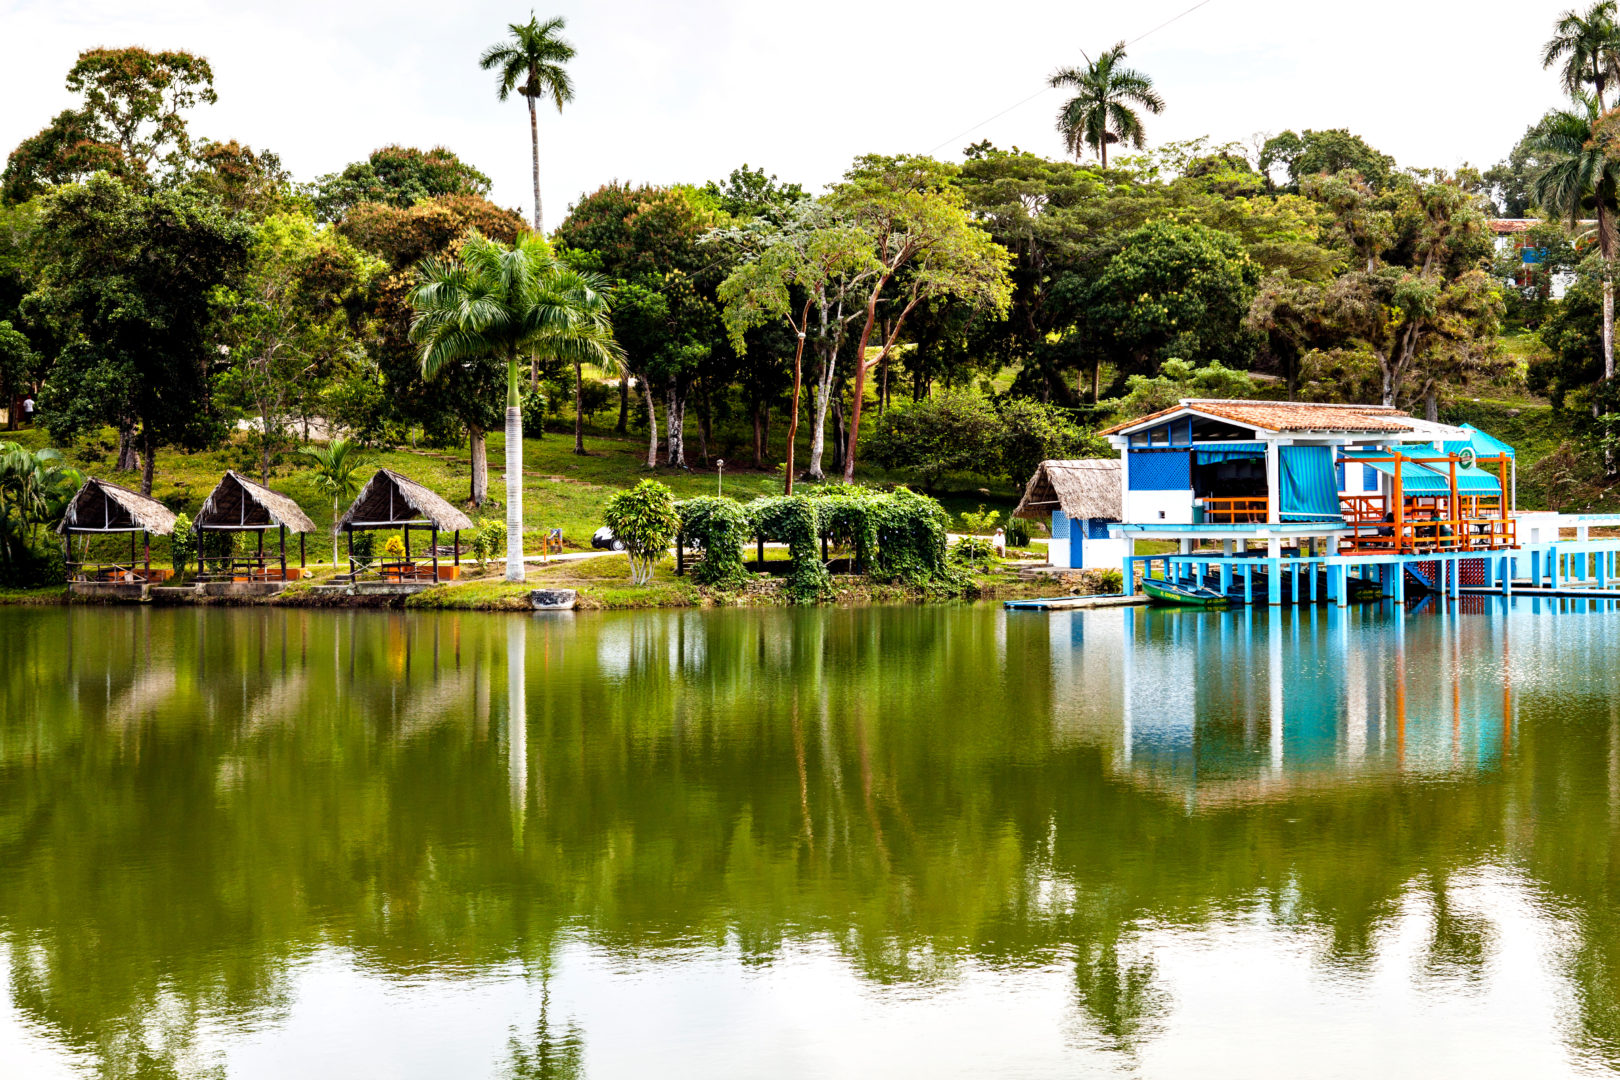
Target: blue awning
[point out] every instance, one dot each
(1483, 445)
(1417, 479)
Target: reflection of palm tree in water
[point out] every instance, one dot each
(548, 1054)
(1119, 995)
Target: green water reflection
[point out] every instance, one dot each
(221, 829)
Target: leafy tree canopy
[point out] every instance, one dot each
(1312, 153)
(636, 231)
(131, 120)
(398, 176)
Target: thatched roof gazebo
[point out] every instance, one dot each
(100, 507)
(1084, 489)
(392, 501)
(237, 504)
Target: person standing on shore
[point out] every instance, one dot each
(28, 410)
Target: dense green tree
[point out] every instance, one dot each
(255, 184)
(398, 176)
(1312, 153)
(786, 270)
(1508, 181)
(651, 237)
(948, 432)
(17, 363)
(131, 121)
(336, 466)
(1100, 112)
(533, 61)
(752, 193)
(1171, 290)
(927, 247)
(287, 328)
(128, 282)
(467, 399)
(493, 300)
(1573, 334)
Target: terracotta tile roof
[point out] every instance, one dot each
(1285, 416)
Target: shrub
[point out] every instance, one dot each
(974, 552)
(984, 521)
(182, 545)
(719, 528)
(948, 432)
(488, 538)
(1017, 530)
(910, 538)
(365, 545)
(1033, 431)
(394, 549)
(644, 520)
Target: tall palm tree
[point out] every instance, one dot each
(531, 62)
(336, 465)
(1589, 46)
(1100, 111)
(508, 303)
(1582, 149)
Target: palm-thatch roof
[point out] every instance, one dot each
(103, 507)
(237, 503)
(390, 500)
(1084, 488)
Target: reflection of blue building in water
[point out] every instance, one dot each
(1237, 705)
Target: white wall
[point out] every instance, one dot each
(1144, 507)
(1057, 552)
(1103, 554)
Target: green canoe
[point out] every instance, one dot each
(1166, 594)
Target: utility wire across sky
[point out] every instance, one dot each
(1045, 89)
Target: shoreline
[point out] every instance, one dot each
(592, 594)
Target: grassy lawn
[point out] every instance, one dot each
(560, 489)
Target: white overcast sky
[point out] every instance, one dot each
(685, 91)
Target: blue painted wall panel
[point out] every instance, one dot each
(1161, 470)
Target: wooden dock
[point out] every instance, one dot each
(1070, 603)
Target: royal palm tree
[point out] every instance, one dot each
(335, 466)
(1589, 46)
(1581, 147)
(491, 301)
(1100, 111)
(531, 62)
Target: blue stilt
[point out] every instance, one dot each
(1248, 582)
(1535, 567)
(1226, 577)
(1311, 568)
(1456, 578)
(1400, 582)
(1507, 575)
(1552, 569)
(1293, 582)
(1130, 574)
(1336, 582)
(1274, 582)
(1489, 565)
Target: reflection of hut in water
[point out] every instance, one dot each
(237, 505)
(100, 508)
(392, 501)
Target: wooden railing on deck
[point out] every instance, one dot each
(1237, 511)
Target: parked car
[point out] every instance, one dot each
(603, 539)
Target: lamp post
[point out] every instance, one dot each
(720, 476)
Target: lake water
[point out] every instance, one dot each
(885, 842)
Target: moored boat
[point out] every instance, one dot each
(1167, 594)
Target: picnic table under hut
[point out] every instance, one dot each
(237, 505)
(392, 501)
(99, 509)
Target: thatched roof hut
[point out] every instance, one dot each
(1087, 488)
(237, 504)
(390, 501)
(101, 507)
